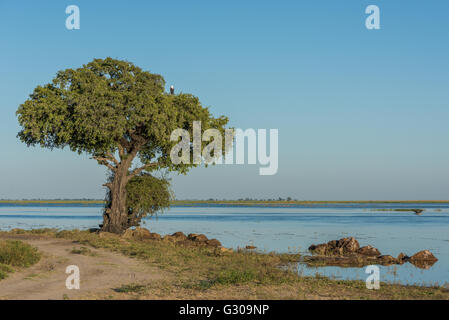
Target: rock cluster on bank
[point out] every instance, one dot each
(178, 238)
(347, 252)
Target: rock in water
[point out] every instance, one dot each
(423, 259)
(369, 251)
(424, 255)
(348, 244)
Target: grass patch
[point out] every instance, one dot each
(131, 288)
(18, 254)
(228, 277)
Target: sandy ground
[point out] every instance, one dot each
(101, 272)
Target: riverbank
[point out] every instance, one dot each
(114, 267)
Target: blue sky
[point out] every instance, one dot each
(362, 114)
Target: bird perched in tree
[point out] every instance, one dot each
(172, 90)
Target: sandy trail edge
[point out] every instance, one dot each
(102, 272)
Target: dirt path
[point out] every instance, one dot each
(100, 271)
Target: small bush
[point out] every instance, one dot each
(235, 277)
(18, 254)
(133, 287)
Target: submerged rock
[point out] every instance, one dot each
(369, 251)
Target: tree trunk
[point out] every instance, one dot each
(115, 217)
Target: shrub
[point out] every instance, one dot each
(18, 254)
(230, 277)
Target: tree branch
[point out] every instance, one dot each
(136, 144)
(124, 144)
(121, 150)
(112, 158)
(109, 185)
(105, 162)
(136, 171)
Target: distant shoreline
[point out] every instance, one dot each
(236, 202)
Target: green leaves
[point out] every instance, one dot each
(146, 195)
(111, 105)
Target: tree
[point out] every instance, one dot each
(120, 115)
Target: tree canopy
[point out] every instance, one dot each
(115, 112)
(110, 105)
